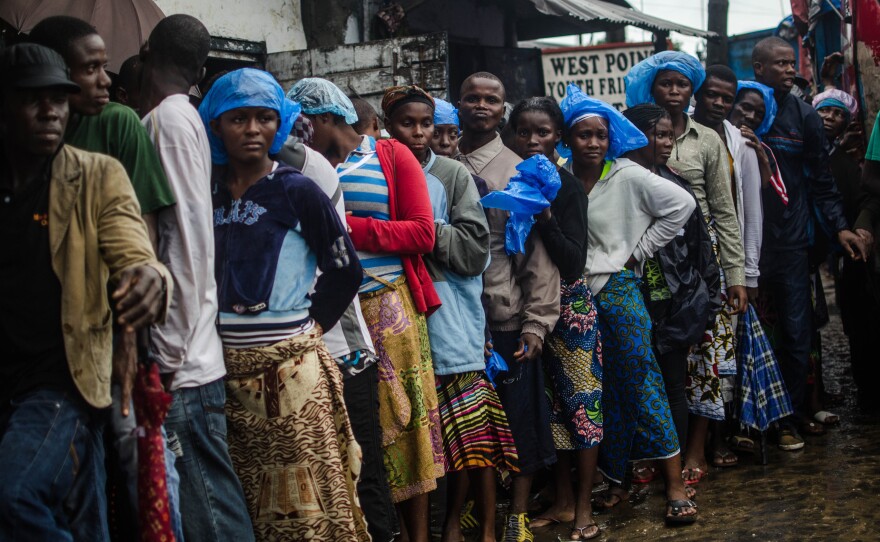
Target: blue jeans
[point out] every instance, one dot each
(212, 502)
(51, 457)
(785, 277)
(125, 441)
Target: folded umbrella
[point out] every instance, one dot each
(762, 397)
(151, 404)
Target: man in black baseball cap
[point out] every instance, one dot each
(69, 227)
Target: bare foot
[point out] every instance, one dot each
(452, 532)
(611, 497)
(555, 514)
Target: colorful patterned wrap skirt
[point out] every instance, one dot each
(574, 368)
(408, 410)
(291, 442)
(475, 429)
(712, 358)
(637, 420)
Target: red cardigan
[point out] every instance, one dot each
(410, 232)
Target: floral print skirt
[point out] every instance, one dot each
(574, 369)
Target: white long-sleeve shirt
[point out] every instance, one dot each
(749, 207)
(187, 343)
(632, 213)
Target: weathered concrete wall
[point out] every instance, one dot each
(277, 22)
(369, 68)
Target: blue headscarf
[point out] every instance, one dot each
(321, 96)
(641, 77)
(770, 107)
(445, 113)
(247, 87)
(624, 137)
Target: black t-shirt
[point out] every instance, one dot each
(31, 338)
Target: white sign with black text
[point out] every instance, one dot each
(598, 70)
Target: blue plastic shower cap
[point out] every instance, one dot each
(624, 136)
(445, 113)
(770, 107)
(247, 87)
(641, 77)
(321, 96)
(528, 193)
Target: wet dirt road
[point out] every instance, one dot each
(830, 490)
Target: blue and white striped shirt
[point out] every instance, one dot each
(366, 195)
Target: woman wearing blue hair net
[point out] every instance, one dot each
(632, 214)
(273, 229)
(392, 226)
(753, 113)
(446, 129)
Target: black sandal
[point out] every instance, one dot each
(675, 516)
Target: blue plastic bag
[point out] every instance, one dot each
(624, 136)
(495, 364)
(528, 193)
(445, 112)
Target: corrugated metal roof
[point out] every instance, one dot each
(590, 10)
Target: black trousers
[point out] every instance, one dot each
(361, 394)
(860, 313)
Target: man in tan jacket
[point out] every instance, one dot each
(521, 293)
(70, 226)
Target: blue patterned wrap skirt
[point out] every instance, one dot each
(638, 423)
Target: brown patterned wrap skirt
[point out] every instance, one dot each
(291, 442)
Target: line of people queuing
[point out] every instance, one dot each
(321, 302)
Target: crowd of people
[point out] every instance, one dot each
(343, 319)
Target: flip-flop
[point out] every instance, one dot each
(644, 475)
(719, 457)
(580, 533)
(691, 481)
(826, 418)
(742, 444)
(675, 517)
(812, 428)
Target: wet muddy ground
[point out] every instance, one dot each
(830, 490)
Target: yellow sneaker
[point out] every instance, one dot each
(516, 529)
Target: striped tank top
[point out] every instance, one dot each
(366, 195)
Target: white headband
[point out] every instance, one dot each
(588, 116)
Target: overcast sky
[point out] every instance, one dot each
(743, 16)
